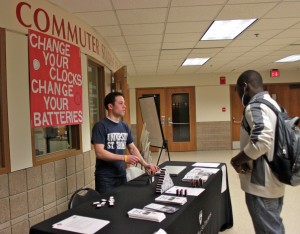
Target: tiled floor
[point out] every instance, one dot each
(241, 218)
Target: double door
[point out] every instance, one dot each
(176, 109)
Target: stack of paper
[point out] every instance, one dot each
(171, 199)
(161, 208)
(146, 215)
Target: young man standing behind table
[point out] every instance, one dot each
(110, 137)
(264, 193)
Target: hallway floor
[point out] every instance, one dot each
(241, 218)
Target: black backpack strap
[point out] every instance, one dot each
(245, 123)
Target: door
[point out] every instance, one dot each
(177, 115)
(181, 119)
(236, 116)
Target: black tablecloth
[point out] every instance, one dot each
(210, 212)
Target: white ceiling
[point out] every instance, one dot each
(156, 36)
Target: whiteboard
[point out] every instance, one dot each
(152, 120)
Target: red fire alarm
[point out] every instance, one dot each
(222, 80)
(223, 109)
(274, 73)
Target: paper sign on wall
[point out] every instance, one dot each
(55, 81)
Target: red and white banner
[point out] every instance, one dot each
(55, 81)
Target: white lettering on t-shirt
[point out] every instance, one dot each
(117, 139)
(117, 136)
(110, 145)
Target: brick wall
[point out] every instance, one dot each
(34, 194)
(214, 135)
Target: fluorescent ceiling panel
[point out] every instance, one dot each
(194, 61)
(226, 29)
(289, 59)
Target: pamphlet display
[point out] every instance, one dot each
(145, 144)
(164, 181)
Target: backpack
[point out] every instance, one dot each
(286, 159)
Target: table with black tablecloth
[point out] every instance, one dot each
(210, 212)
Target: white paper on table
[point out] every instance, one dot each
(81, 224)
(224, 182)
(190, 191)
(204, 170)
(204, 164)
(160, 231)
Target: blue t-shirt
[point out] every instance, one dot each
(115, 137)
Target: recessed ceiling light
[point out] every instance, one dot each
(194, 61)
(289, 59)
(226, 29)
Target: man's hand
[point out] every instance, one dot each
(151, 169)
(242, 169)
(239, 163)
(132, 159)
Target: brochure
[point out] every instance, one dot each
(171, 199)
(161, 208)
(146, 215)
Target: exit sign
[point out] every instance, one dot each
(274, 73)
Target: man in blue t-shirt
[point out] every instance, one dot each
(111, 136)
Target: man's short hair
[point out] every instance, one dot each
(252, 77)
(111, 98)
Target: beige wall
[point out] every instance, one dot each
(208, 104)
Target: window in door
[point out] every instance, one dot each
(181, 117)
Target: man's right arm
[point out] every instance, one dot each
(105, 155)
